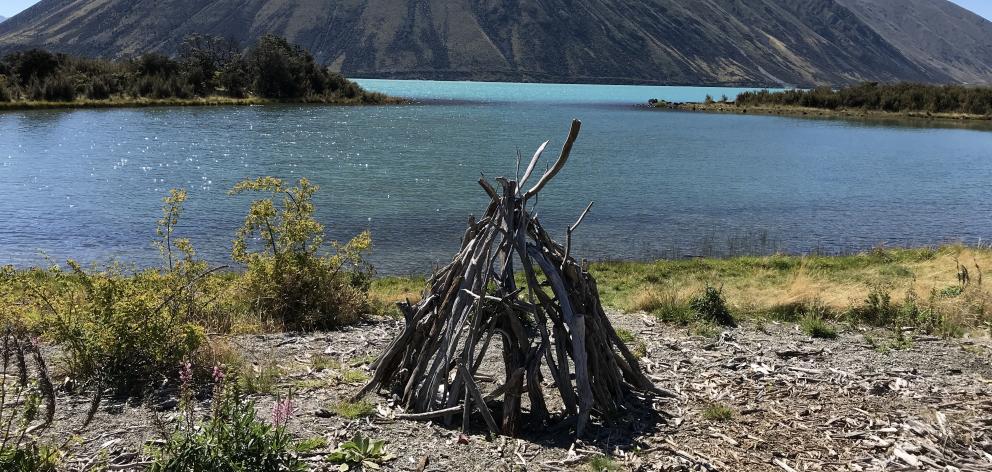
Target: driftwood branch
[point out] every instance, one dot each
(570, 230)
(566, 151)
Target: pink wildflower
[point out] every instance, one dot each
(186, 373)
(282, 411)
(218, 374)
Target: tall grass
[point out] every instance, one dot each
(876, 287)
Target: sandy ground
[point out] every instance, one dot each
(792, 403)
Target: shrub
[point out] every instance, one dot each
(117, 329)
(278, 67)
(273, 68)
(28, 458)
(900, 97)
(197, 298)
(202, 57)
(58, 89)
(295, 277)
(156, 65)
(816, 327)
(35, 64)
(124, 330)
(234, 78)
(101, 88)
(877, 309)
(6, 93)
(231, 439)
(287, 71)
(711, 306)
(362, 452)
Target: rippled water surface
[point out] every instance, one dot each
(88, 183)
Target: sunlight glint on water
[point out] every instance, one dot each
(88, 183)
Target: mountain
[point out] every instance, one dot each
(2, 18)
(800, 42)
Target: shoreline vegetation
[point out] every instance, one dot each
(208, 71)
(130, 332)
(868, 100)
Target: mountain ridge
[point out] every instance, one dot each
(702, 42)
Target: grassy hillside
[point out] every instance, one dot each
(614, 41)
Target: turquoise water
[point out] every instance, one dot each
(88, 183)
(506, 92)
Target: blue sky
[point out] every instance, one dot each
(982, 7)
(10, 8)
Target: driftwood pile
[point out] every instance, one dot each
(552, 324)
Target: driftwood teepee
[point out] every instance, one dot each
(551, 325)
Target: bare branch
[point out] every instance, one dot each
(566, 150)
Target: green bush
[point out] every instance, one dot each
(234, 78)
(231, 439)
(28, 458)
(877, 309)
(118, 330)
(901, 97)
(6, 91)
(206, 65)
(295, 278)
(710, 306)
(32, 65)
(101, 88)
(816, 327)
(58, 89)
(124, 330)
(951, 291)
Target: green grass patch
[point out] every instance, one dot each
(354, 376)
(719, 412)
(626, 336)
(260, 380)
(322, 362)
(602, 464)
(361, 360)
(315, 443)
(705, 329)
(816, 327)
(352, 410)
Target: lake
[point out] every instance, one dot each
(88, 183)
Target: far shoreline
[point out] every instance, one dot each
(794, 111)
(215, 101)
